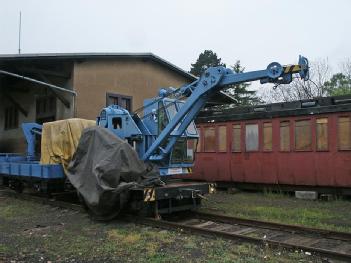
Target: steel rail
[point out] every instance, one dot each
(233, 236)
(42, 200)
(330, 234)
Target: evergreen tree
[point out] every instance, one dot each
(240, 92)
(206, 59)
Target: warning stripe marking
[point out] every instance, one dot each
(292, 69)
(149, 194)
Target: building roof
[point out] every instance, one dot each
(73, 56)
(219, 98)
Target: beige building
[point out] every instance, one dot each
(99, 79)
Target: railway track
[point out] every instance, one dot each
(330, 244)
(53, 201)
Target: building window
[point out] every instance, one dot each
(209, 139)
(267, 136)
(126, 103)
(322, 134)
(120, 100)
(344, 133)
(236, 138)
(285, 136)
(303, 136)
(198, 146)
(11, 118)
(45, 109)
(222, 138)
(251, 137)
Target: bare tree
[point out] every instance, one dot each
(346, 68)
(298, 89)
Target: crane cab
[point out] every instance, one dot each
(119, 122)
(141, 132)
(157, 115)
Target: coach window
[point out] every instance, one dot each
(236, 138)
(251, 137)
(222, 138)
(267, 136)
(209, 139)
(285, 136)
(303, 136)
(344, 133)
(322, 134)
(198, 146)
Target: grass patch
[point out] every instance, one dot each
(17, 208)
(282, 208)
(3, 249)
(125, 238)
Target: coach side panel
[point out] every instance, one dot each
(305, 150)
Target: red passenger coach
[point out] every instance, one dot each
(294, 146)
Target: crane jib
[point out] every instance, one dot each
(211, 81)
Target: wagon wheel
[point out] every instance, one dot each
(17, 185)
(104, 217)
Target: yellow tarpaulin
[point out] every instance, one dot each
(59, 140)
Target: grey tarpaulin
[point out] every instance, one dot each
(103, 170)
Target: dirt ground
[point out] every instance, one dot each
(31, 232)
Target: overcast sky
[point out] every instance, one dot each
(255, 31)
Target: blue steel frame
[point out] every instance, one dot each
(30, 130)
(27, 166)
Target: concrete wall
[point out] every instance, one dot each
(131, 77)
(12, 140)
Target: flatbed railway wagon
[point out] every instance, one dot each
(290, 146)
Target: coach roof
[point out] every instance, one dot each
(283, 109)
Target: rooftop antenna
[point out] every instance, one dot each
(19, 32)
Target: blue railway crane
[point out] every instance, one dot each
(165, 134)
